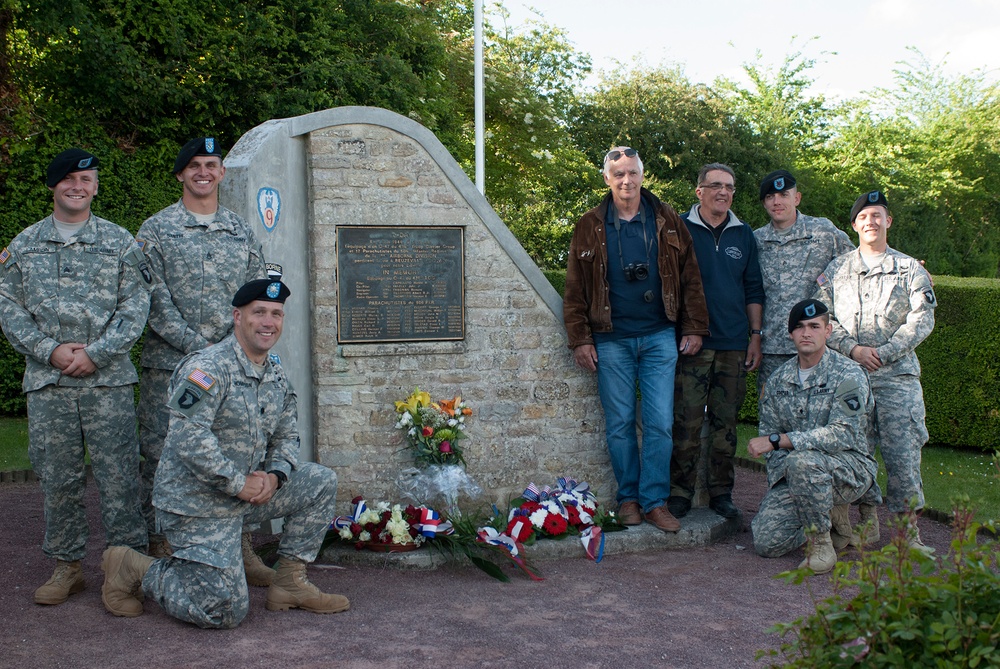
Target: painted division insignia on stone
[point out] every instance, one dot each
(201, 379)
(4, 255)
(779, 184)
(269, 207)
(274, 290)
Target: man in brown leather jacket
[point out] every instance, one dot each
(633, 289)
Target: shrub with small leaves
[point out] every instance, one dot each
(900, 608)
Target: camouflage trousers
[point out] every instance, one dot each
(64, 424)
(715, 379)
(813, 484)
(154, 418)
(901, 434)
(203, 582)
(769, 362)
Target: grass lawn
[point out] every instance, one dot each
(946, 472)
(14, 444)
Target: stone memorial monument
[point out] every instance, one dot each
(402, 275)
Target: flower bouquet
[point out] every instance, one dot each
(568, 509)
(389, 528)
(433, 429)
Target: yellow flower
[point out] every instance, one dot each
(416, 400)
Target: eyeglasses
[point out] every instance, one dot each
(616, 154)
(718, 185)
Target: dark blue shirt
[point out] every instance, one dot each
(632, 314)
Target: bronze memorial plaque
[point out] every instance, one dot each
(399, 283)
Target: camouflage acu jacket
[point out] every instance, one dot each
(198, 270)
(226, 420)
(790, 262)
(93, 290)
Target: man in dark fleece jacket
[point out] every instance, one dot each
(716, 377)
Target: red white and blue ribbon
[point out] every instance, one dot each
(593, 542)
(489, 535)
(431, 524)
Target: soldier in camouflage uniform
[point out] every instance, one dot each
(200, 253)
(813, 426)
(882, 302)
(230, 456)
(74, 294)
(793, 250)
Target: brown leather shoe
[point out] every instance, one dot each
(630, 514)
(663, 519)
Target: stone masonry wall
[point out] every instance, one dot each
(536, 416)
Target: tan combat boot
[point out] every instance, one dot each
(258, 573)
(866, 532)
(820, 554)
(66, 580)
(291, 589)
(840, 530)
(909, 521)
(159, 547)
(123, 571)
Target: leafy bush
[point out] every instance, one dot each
(900, 608)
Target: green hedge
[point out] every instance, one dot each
(960, 363)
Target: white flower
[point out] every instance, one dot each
(538, 518)
(452, 422)
(345, 533)
(368, 516)
(365, 536)
(381, 508)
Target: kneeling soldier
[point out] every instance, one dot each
(230, 456)
(813, 425)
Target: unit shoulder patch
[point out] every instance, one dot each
(850, 395)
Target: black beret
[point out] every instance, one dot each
(199, 146)
(873, 199)
(804, 311)
(70, 160)
(266, 290)
(775, 182)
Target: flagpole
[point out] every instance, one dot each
(479, 95)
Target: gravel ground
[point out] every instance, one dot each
(698, 607)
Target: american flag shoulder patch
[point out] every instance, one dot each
(201, 379)
(821, 279)
(4, 255)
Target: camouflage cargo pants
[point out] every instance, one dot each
(203, 582)
(715, 379)
(154, 418)
(64, 424)
(814, 482)
(901, 433)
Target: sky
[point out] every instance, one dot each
(859, 42)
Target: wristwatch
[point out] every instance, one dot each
(775, 439)
(757, 332)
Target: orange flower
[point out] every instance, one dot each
(447, 407)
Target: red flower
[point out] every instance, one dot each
(427, 431)
(554, 524)
(574, 515)
(530, 507)
(355, 529)
(357, 499)
(519, 528)
(445, 447)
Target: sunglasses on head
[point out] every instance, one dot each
(616, 154)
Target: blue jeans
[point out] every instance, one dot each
(643, 477)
